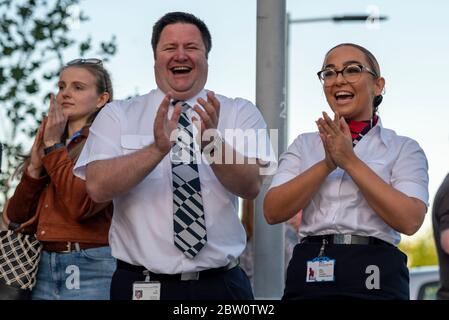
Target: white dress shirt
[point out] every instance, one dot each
(338, 207)
(142, 225)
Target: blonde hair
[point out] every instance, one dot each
(103, 85)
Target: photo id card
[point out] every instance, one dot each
(147, 290)
(321, 269)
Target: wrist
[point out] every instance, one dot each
(34, 172)
(350, 165)
(156, 152)
(215, 145)
(50, 143)
(54, 146)
(328, 167)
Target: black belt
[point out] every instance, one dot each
(178, 276)
(345, 239)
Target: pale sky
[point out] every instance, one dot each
(412, 49)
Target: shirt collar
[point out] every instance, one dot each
(192, 101)
(384, 134)
(84, 132)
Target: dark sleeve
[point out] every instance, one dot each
(441, 205)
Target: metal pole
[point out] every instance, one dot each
(270, 98)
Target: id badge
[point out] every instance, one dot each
(320, 269)
(143, 290)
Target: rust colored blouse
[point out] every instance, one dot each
(59, 202)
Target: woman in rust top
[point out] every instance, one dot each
(76, 261)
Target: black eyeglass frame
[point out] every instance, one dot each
(362, 68)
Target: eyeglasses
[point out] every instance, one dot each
(351, 73)
(85, 61)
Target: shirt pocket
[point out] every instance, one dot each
(131, 143)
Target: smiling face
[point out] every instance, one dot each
(180, 61)
(78, 94)
(354, 101)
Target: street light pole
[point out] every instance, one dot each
(270, 98)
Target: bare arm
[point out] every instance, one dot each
(284, 201)
(403, 213)
(240, 178)
(243, 180)
(106, 179)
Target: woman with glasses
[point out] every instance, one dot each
(76, 261)
(359, 185)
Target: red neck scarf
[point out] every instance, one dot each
(360, 128)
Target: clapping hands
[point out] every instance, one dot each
(337, 141)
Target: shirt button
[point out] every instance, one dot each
(46, 206)
(42, 232)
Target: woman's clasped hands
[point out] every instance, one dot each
(337, 141)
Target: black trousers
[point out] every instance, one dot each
(228, 285)
(354, 275)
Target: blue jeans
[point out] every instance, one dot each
(83, 275)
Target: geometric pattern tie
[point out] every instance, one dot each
(188, 213)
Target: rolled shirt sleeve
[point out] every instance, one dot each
(289, 164)
(103, 141)
(410, 172)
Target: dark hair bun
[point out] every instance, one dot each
(377, 101)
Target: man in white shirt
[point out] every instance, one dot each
(184, 235)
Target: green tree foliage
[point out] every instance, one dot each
(34, 35)
(421, 249)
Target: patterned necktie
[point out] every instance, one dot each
(188, 214)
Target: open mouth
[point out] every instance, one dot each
(343, 96)
(180, 70)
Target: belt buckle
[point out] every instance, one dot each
(185, 276)
(342, 239)
(69, 248)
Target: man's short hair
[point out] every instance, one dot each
(180, 17)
